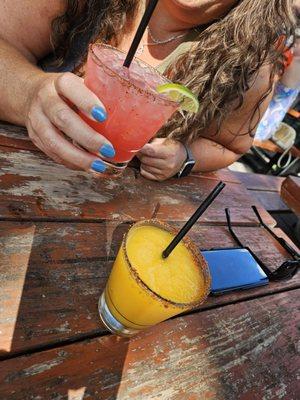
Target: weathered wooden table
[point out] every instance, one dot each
(290, 193)
(59, 233)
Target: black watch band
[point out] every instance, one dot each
(188, 165)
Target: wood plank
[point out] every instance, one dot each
(265, 189)
(16, 137)
(223, 174)
(52, 274)
(244, 351)
(290, 193)
(32, 186)
(271, 201)
(288, 222)
(262, 182)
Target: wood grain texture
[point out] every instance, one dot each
(271, 201)
(290, 193)
(265, 189)
(223, 174)
(239, 352)
(16, 137)
(32, 186)
(52, 274)
(260, 182)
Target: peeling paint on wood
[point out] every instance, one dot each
(246, 351)
(17, 137)
(65, 268)
(238, 352)
(35, 369)
(31, 185)
(58, 187)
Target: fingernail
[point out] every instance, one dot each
(98, 166)
(107, 150)
(99, 114)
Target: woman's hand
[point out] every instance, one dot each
(53, 125)
(161, 159)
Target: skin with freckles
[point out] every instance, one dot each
(195, 12)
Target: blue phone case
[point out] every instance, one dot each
(233, 269)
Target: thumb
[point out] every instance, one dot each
(148, 150)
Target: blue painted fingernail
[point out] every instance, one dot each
(98, 166)
(99, 114)
(107, 150)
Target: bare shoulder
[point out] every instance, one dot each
(239, 126)
(26, 24)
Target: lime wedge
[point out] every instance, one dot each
(176, 92)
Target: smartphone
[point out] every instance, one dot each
(233, 269)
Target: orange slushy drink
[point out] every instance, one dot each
(145, 289)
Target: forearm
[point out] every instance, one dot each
(18, 79)
(211, 156)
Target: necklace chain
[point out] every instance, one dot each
(157, 42)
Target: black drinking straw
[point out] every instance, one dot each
(140, 32)
(206, 203)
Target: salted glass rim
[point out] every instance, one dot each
(152, 92)
(200, 262)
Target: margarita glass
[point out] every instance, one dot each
(143, 288)
(135, 110)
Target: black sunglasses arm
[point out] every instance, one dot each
(227, 212)
(280, 240)
(285, 271)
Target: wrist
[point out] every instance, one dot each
(182, 155)
(34, 83)
(188, 162)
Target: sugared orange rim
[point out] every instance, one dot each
(197, 256)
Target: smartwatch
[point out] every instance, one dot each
(188, 165)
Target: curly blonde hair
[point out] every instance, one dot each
(220, 68)
(226, 61)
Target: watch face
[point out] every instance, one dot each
(187, 168)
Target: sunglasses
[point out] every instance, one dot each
(287, 269)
